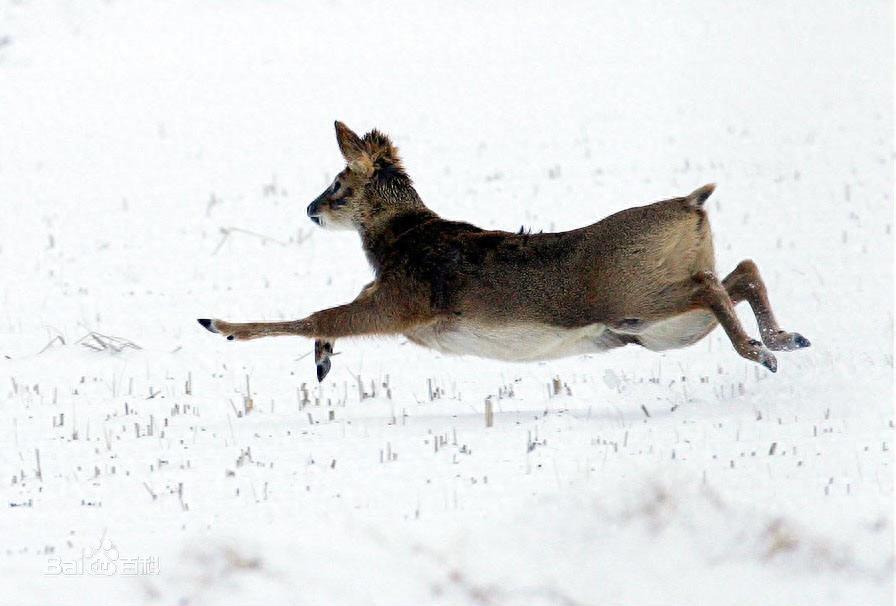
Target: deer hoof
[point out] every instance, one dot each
(322, 352)
(323, 369)
(207, 324)
(800, 341)
(768, 360)
(756, 351)
(787, 341)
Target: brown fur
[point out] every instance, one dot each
(642, 273)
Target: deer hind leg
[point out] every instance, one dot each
(745, 284)
(711, 294)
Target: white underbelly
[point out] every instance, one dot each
(515, 343)
(678, 331)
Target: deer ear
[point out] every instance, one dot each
(353, 150)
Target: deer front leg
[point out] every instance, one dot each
(323, 350)
(711, 294)
(745, 284)
(378, 310)
(249, 330)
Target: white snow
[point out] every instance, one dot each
(134, 135)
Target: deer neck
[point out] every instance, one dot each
(381, 240)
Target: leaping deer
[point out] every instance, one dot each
(643, 276)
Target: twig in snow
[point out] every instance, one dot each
(226, 231)
(100, 342)
(52, 341)
(149, 490)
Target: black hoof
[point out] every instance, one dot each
(230, 337)
(801, 341)
(323, 369)
(769, 361)
(206, 324)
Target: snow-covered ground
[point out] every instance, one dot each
(156, 159)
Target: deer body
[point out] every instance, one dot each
(644, 276)
(535, 297)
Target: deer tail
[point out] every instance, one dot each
(700, 195)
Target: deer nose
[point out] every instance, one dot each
(314, 211)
